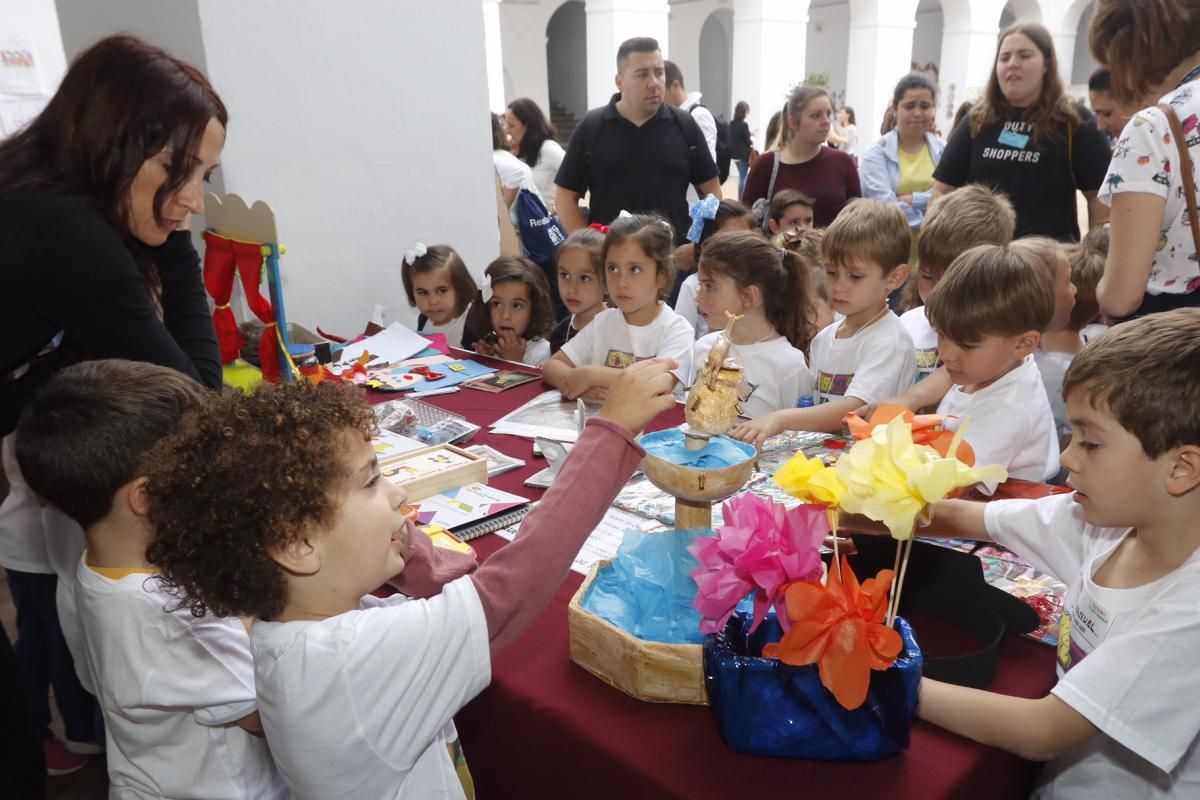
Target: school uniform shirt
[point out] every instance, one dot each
(610, 341)
(874, 364)
(1053, 368)
(361, 704)
(452, 330)
(1039, 176)
(536, 352)
(686, 307)
(1125, 658)
(1146, 160)
(777, 373)
(925, 341)
(170, 687)
(1091, 331)
(1011, 423)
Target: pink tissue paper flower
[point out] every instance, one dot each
(762, 547)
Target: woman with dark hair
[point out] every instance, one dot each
(803, 161)
(899, 167)
(1026, 138)
(532, 138)
(740, 143)
(1150, 48)
(514, 173)
(97, 262)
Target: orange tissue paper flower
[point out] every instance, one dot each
(839, 627)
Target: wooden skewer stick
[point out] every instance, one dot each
(832, 514)
(907, 545)
(892, 593)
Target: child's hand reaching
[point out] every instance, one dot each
(641, 393)
(509, 346)
(484, 347)
(756, 431)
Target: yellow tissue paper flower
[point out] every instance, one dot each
(891, 480)
(808, 479)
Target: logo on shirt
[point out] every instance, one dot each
(829, 386)
(927, 360)
(620, 359)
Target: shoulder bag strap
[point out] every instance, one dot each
(774, 174)
(1185, 172)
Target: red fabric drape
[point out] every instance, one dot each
(222, 257)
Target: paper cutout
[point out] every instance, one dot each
(839, 628)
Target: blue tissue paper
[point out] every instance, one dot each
(767, 708)
(647, 591)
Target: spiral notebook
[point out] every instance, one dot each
(471, 511)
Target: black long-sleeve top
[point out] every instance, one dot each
(63, 267)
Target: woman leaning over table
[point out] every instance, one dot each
(899, 167)
(96, 262)
(1150, 47)
(1027, 139)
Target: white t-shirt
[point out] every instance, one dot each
(610, 341)
(536, 352)
(685, 305)
(1146, 160)
(874, 364)
(43, 540)
(550, 157)
(1126, 659)
(361, 704)
(776, 371)
(1091, 331)
(925, 340)
(1053, 368)
(452, 330)
(1011, 423)
(514, 174)
(170, 687)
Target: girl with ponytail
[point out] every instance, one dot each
(741, 273)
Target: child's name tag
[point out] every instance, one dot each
(1013, 139)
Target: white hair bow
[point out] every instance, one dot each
(485, 289)
(413, 253)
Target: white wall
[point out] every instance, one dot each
(1085, 63)
(174, 26)
(927, 38)
(36, 21)
(360, 156)
(523, 49)
(828, 36)
(566, 56)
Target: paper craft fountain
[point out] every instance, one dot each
(697, 463)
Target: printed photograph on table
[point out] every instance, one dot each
(547, 416)
(504, 379)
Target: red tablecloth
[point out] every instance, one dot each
(547, 728)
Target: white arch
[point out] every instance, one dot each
(716, 62)
(566, 57)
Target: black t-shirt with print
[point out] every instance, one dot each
(1039, 176)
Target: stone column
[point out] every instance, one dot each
(968, 53)
(769, 41)
(493, 55)
(610, 22)
(880, 53)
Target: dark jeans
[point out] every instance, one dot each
(743, 166)
(45, 661)
(21, 763)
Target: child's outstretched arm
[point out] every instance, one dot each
(429, 568)
(1038, 730)
(826, 417)
(515, 583)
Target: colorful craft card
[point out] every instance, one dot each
(460, 507)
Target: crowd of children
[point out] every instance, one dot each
(227, 620)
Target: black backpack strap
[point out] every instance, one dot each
(589, 130)
(691, 129)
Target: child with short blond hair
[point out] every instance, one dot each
(866, 356)
(986, 339)
(966, 218)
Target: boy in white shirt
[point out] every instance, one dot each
(1122, 720)
(965, 218)
(357, 694)
(987, 338)
(866, 356)
(176, 691)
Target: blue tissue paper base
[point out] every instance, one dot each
(767, 708)
(647, 590)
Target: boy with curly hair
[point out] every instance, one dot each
(271, 505)
(176, 690)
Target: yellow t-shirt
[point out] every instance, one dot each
(916, 175)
